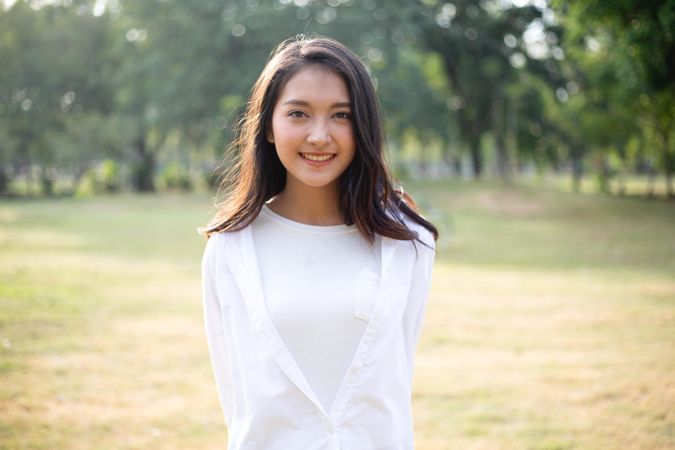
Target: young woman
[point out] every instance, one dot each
(316, 271)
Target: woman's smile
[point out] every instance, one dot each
(318, 159)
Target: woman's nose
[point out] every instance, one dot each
(319, 134)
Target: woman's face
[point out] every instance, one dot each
(312, 128)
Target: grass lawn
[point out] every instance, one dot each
(551, 323)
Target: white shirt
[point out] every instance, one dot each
(267, 402)
(319, 285)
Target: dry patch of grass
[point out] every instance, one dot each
(551, 324)
(548, 360)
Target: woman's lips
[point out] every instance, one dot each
(318, 159)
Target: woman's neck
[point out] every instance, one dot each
(308, 205)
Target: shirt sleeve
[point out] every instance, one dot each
(215, 334)
(419, 290)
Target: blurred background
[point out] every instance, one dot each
(539, 136)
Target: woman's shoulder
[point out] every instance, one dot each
(211, 249)
(216, 239)
(423, 234)
(218, 243)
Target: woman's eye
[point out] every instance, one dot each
(296, 114)
(343, 115)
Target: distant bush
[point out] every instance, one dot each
(109, 176)
(104, 178)
(47, 184)
(176, 177)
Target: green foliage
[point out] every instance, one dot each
(622, 58)
(105, 178)
(109, 175)
(175, 177)
(88, 185)
(137, 80)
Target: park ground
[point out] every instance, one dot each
(550, 324)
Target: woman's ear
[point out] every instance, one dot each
(270, 134)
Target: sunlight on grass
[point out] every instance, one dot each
(551, 323)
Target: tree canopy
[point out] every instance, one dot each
(155, 87)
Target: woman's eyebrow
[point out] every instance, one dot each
(304, 103)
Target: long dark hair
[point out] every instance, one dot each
(365, 188)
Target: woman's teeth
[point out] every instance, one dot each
(317, 158)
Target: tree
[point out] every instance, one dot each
(57, 68)
(480, 45)
(639, 39)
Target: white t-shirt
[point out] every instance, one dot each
(319, 285)
(267, 402)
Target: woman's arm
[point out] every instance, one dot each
(421, 283)
(215, 334)
(419, 292)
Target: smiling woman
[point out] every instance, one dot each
(314, 286)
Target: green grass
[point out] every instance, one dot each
(551, 323)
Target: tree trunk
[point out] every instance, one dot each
(476, 156)
(80, 170)
(663, 119)
(144, 168)
(602, 173)
(46, 182)
(423, 162)
(4, 181)
(471, 134)
(651, 180)
(498, 128)
(668, 163)
(512, 130)
(457, 164)
(30, 181)
(667, 159)
(621, 182)
(577, 170)
(452, 161)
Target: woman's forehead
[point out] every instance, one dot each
(315, 83)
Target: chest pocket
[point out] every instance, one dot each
(367, 285)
